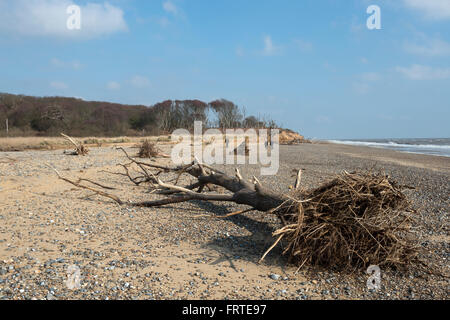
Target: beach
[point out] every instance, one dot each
(175, 252)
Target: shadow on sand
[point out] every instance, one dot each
(249, 248)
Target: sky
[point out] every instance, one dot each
(313, 66)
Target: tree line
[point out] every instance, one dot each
(22, 115)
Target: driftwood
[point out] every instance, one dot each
(148, 149)
(353, 221)
(80, 149)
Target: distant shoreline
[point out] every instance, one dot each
(433, 147)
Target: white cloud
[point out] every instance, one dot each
(385, 117)
(163, 22)
(323, 120)
(140, 82)
(62, 64)
(269, 48)
(58, 85)
(364, 60)
(420, 72)
(356, 27)
(329, 67)
(361, 87)
(304, 46)
(433, 9)
(240, 52)
(430, 47)
(48, 18)
(113, 85)
(365, 81)
(370, 76)
(170, 7)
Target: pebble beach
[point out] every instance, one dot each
(181, 251)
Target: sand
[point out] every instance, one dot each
(47, 225)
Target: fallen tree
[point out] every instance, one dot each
(353, 221)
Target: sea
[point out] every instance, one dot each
(436, 147)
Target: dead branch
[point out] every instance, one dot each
(298, 180)
(80, 149)
(79, 185)
(96, 183)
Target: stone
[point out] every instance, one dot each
(275, 276)
(50, 297)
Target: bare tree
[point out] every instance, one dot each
(229, 115)
(9, 102)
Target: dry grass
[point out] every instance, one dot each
(55, 143)
(354, 221)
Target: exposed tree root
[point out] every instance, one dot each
(149, 150)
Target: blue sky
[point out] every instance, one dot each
(311, 65)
